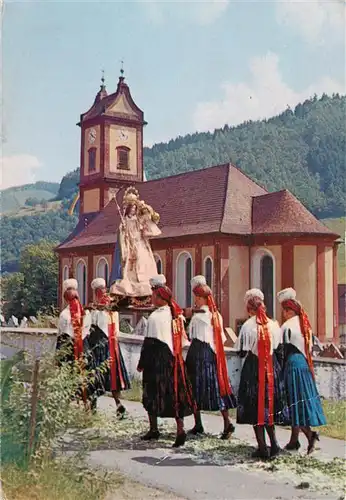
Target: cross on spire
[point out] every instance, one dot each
(122, 69)
(103, 86)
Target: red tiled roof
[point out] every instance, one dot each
(215, 199)
(281, 212)
(218, 199)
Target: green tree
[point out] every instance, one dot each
(34, 288)
(39, 266)
(12, 288)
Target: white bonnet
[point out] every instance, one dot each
(286, 294)
(158, 280)
(253, 293)
(98, 283)
(70, 283)
(198, 281)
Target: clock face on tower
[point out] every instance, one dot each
(92, 136)
(123, 135)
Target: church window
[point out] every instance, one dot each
(92, 159)
(267, 283)
(81, 274)
(65, 273)
(102, 269)
(263, 277)
(159, 266)
(208, 271)
(123, 155)
(184, 270)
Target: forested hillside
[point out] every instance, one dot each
(302, 150)
(17, 232)
(14, 198)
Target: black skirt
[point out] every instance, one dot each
(157, 363)
(247, 412)
(65, 354)
(99, 345)
(202, 370)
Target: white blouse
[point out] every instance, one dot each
(102, 318)
(159, 326)
(201, 327)
(292, 334)
(248, 336)
(65, 323)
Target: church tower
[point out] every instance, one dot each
(111, 147)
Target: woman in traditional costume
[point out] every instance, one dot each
(73, 340)
(261, 395)
(112, 375)
(134, 262)
(206, 361)
(304, 404)
(167, 392)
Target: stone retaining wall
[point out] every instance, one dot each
(330, 373)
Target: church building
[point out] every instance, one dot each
(214, 221)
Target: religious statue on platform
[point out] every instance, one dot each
(134, 262)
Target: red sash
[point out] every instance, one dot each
(221, 365)
(77, 313)
(114, 355)
(265, 368)
(305, 328)
(178, 333)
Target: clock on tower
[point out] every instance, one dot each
(111, 146)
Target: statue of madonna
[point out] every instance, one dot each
(134, 260)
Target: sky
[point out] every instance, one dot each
(191, 66)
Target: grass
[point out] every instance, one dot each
(335, 412)
(135, 393)
(57, 480)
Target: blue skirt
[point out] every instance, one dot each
(247, 411)
(304, 402)
(202, 372)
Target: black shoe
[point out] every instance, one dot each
(274, 451)
(198, 429)
(262, 454)
(312, 442)
(150, 436)
(179, 440)
(292, 446)
(228, 432)
(121, 410)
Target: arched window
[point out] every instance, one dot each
(159, 265)
(81, 273)
(65, 273)
(188, 278)
(102, 269)
(92, 159)
(208, 271)
(263, 277)
(183, 279)
(123, 157)
(267, 283)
